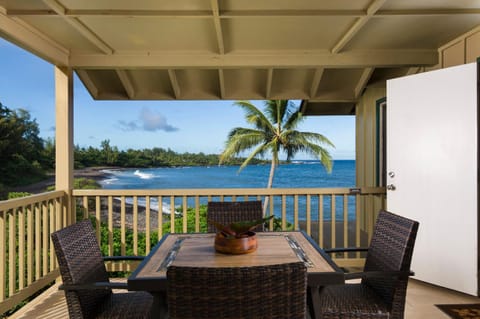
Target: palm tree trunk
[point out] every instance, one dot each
(269, 185)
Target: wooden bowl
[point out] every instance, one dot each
(244, 245)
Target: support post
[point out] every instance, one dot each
(64, 134)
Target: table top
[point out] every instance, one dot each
(198, 250)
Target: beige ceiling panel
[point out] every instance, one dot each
(294, 5)
(154, 34)
(63, 33)
(245, 83)
(151, 84)
(198, 84)
(380, 75)
(283, 33)
(411, 32)
(328, 108)
(291, 83)
(338, 84)
(24, 5)
(107, 84)
(429, 4)
(472, 47)
(137, 4)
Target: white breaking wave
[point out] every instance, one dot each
(142, 175)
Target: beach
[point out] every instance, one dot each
(95, 173)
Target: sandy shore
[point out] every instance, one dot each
(95, 173)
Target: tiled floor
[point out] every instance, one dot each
(422, 297)
(421, 300)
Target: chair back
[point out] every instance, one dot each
(80, 261)
(230, 212)
(391, 249)
(271, 291)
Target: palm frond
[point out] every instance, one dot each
(239, 140)
(254, 116)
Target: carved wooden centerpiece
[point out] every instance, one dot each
(238, 237)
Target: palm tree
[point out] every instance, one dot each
(274, 132)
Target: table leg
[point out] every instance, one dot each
(313, 295)
(159, 307)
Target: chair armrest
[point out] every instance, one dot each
(120, 258)
(378, 274)
(94, 286)
(345, 249)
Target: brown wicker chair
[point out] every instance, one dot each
(273, 291)
(382, 291)
(229, 212)
(88, 290)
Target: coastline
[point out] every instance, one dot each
(95, 173)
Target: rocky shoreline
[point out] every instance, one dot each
(95, 173)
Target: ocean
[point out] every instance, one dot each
(298, 174)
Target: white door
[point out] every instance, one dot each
(432, 171)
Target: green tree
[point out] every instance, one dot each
(21, 149)
(274, 131)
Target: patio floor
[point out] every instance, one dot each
(421, 300)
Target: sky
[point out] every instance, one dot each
(27, 82)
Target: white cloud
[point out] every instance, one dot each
(149, 121)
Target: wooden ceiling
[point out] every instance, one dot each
(323, 52)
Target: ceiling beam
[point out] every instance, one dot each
(351, 59)
(32, 40)
(317, 77)
(79, 26)
(87, 81)
(268, 85)
(358, 25)
(218, 26)
(174, 82)
(362, 82)
(240, 13)
(221, 83)
(413, 70)
(127, 83)
(427, 12)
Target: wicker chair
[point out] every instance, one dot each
(382, 291)
(229, 212)
(273, 291)
(88, 290)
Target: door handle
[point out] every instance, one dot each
(391, 187)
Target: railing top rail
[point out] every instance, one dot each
(29, 200)
(229, 191)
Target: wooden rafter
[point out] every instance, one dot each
(79, 26)
(218, 26)
(221, 82)
(126, 82)
(354, 59)
(89, 84)
(357, 26)
(174, 82)
(317, 77)
(362, 82)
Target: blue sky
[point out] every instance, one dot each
(27, 82)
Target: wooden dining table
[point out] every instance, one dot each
(197, 249)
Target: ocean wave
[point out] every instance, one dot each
(109, 181)
(143, 175)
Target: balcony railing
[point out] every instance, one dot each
(333, 217)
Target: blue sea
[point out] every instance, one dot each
(298, 174)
